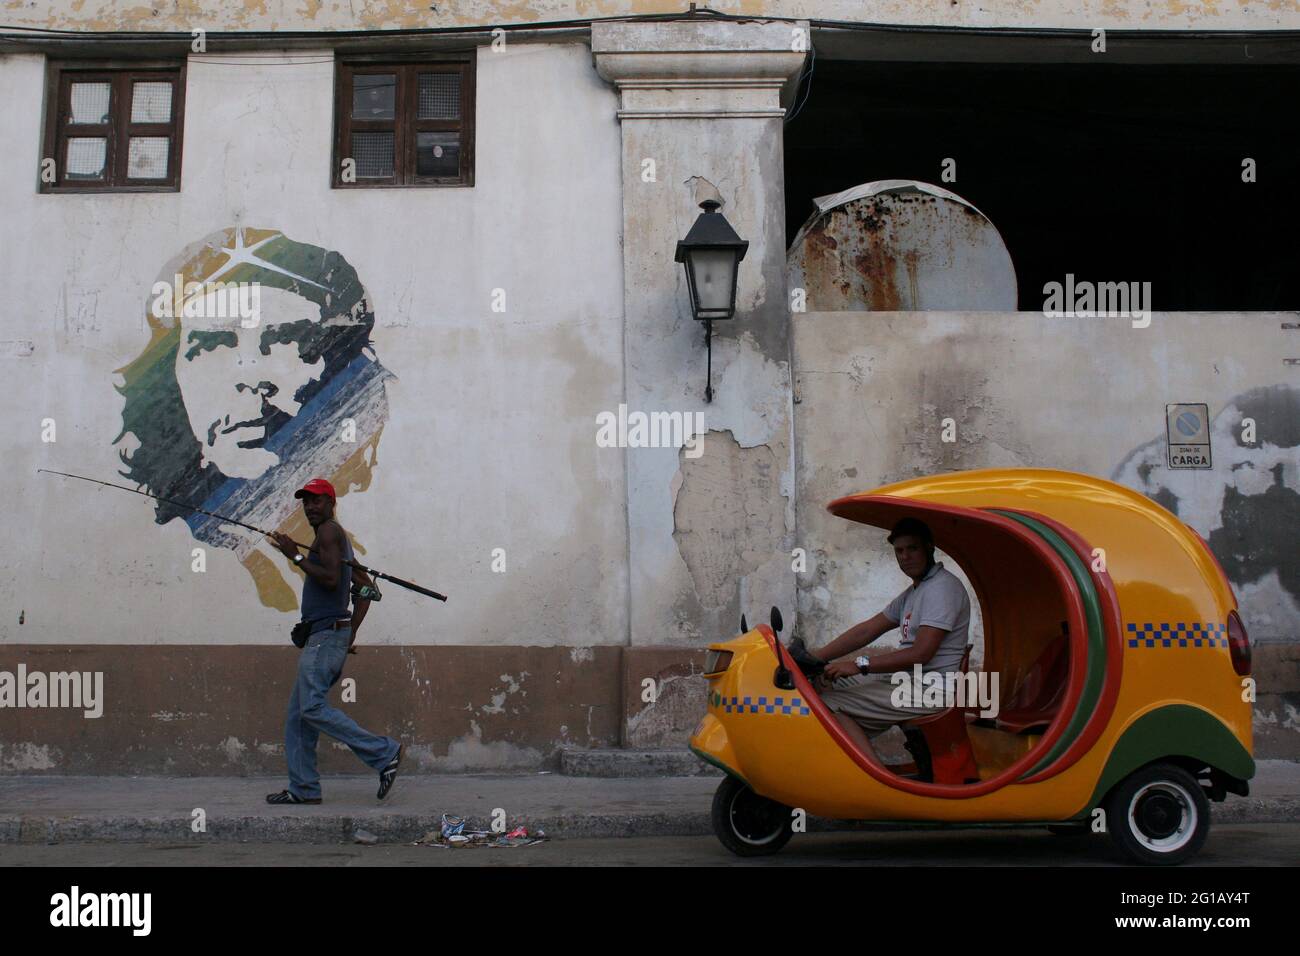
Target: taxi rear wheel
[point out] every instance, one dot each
(1158, 815)
(747, 824)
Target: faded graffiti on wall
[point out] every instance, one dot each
(233, 415)
(1247, 508)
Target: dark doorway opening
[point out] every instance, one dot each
(1108, 172)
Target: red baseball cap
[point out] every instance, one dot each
(317, 486)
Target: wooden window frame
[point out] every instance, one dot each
(121, 75)
(405, 124)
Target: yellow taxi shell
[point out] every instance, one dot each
(1162, 573)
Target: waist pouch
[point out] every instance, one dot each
(301, 631)
(305, 629)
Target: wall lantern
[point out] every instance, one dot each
(711, 253)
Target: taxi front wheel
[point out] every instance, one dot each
(1158, 815)
(747, 824)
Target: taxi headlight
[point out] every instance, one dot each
(715, 662)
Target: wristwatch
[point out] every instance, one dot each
(297, 559)
(864, 664)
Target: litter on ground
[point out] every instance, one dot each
(452, 833)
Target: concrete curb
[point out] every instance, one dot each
(329, 829)
(634, 763)
(406, 828)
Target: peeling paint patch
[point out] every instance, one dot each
(469, 752)
(581, 655)
(705, 190)
(728, 516)
(499, 699)
(1270, 719)
(169, 715)
(679, 701)
(232, 748)
(17, 758)
(1273, 610)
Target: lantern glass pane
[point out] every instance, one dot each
(714, 271)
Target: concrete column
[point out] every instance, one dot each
(710, 529)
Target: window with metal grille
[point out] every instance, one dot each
(404, 122)
(113, 127)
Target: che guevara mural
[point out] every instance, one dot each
(258, 374)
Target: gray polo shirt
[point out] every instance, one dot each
(939, 600)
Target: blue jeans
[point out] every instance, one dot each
(320, 664)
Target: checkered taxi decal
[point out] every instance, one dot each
(760, 705)
(1178, 634)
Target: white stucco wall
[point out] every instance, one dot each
(701, 119)
(491, 437)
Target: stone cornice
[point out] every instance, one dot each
(697, 70)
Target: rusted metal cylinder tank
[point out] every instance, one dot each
(898, 245)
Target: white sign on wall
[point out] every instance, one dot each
(1188, 427)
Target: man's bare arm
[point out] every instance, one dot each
(329, 552)
(922, 649)
(859, 635)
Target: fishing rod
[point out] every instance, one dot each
(212, 514)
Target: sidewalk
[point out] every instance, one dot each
(53, 809)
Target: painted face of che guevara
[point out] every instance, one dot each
(239, 384)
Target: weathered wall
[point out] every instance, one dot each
(478, 427)
(220, 710)
(488, 426)
(407, 14)
(1089, 395)
(708, 534)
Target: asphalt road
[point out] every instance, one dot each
(1272, 844)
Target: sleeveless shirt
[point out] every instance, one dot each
(324, 605)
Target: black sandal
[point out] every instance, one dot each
(287, 796)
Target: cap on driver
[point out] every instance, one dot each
(317, 486)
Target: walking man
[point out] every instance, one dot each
(332, 630)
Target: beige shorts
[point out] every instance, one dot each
(866, 698)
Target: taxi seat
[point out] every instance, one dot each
(940, 744)
(1035, 702)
